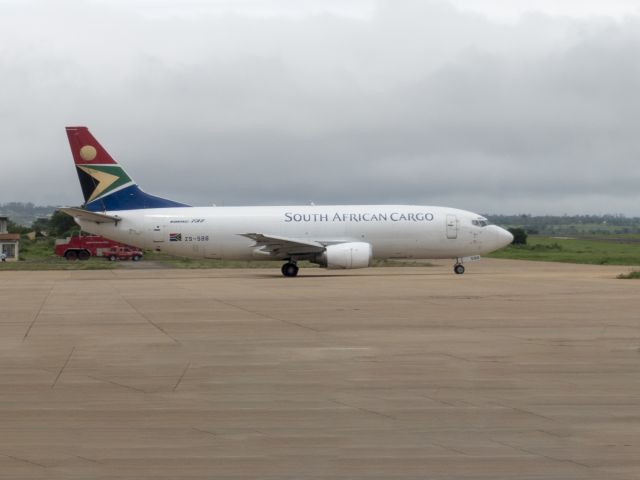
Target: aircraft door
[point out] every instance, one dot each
(452, 227)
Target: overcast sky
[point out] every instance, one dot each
(495, 106)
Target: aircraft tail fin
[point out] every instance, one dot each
(105, 184)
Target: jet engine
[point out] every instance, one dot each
(346, 255)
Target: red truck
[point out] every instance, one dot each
(84, 246)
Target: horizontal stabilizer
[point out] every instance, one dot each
(89, 216)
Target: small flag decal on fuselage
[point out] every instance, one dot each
(175, 237)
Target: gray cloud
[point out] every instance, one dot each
(409, 102)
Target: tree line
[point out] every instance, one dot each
(58, 225)
(570, 224)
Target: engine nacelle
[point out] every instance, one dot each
(346, 255)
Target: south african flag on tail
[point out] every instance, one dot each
(105, 184)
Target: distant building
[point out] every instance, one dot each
(9, 242)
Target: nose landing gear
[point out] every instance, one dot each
(290, 269)
(458, 268)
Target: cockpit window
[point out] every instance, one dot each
(480, 222)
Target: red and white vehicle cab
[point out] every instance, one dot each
(82, 247)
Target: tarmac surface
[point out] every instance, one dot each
(513, 371)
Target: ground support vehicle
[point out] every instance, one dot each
(83, 247)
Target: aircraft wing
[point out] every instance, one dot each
(283, 247)
(89, 216)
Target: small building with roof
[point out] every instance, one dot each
(9, 242)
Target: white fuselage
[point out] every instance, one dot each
(393, 231)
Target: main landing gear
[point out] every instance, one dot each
(458, 268)
(290, 269)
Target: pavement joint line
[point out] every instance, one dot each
(518, 448)
(264, 315)
(35, 317)
(184, 372)
(456, 357)
(365, 410)
(260, 314)
(13, 457)
(204, 431)
(91, 460)
(129, 387)
(288, 322)
(63, 367)
(149, 321)
(528, 412)
(451, 449)
(438, 401)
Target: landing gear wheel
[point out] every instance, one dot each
(459, 269)
(289, 269)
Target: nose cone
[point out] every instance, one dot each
(497, 238)
(504, 237)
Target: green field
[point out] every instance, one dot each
(609, 250)
(38, 255)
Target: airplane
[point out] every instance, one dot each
(332, 236)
